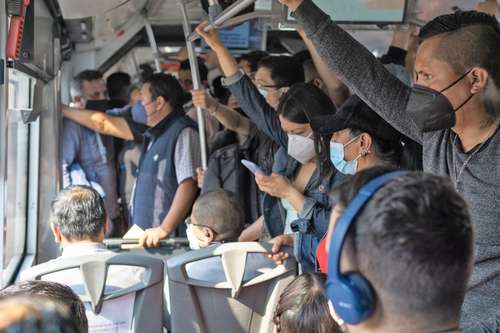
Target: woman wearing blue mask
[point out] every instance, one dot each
(361, 139)
(357, 139)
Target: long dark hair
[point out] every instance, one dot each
(303, 307)
(300, 104)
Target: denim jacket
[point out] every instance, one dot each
(313, 220)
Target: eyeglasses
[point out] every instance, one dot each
(188, 221)
(269, 86)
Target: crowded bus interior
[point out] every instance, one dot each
(249, 166)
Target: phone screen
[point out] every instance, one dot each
(254, 168)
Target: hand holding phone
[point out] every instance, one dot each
(254, 168)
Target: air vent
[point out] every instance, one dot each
(14, 7)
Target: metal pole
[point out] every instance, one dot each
(230, 12)
(152, 44)
(196, 82)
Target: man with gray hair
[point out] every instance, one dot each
(78, 223)
(88, 157)
(217, 217)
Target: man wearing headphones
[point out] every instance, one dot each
(400, 252)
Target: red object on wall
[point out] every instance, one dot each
(16, 29)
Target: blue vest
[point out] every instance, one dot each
(156, 182)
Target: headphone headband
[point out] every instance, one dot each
(349, 215)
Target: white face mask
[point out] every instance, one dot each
(194, 243)
(263, 92)
(301, 148)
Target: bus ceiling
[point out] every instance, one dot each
(109, 29)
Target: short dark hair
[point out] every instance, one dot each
(146, 71)
(168, 87)
(220, 211)
(253, 58)
(470, 38)
(413, 241)
(303, 307)
(78, 211)
(118, 84)
(186, 66)
(301, 103)
(285, 71)
(54, 291)
(35, 314)
(86, 75)
(302, 56)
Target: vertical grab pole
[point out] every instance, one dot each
(152, 44)
(196, 82)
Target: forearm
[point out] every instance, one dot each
(230, 119)
(357, 68)
(295, 198)
(256, 108)
(181, 205)
(336, 88)
(100, 122)
(227, 62)
(253, 232)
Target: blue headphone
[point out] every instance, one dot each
(351, 294)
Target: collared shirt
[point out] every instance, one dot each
(95, 154)
(118, 276)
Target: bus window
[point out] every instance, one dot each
(20, 92)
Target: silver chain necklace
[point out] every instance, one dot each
(464, 165)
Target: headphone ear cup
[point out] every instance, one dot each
(352, 297)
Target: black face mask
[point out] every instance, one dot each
(98, 104)
(430, 109)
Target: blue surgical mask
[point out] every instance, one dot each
(139, 114)
(337, 156)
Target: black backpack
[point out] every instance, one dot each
(225, 171)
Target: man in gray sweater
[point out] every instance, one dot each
(457, 59)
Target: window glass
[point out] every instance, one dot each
(20, 96)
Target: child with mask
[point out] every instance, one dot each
(217, 218)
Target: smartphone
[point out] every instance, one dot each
(254, 168)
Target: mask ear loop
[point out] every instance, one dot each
(456, 81)
(466, 101)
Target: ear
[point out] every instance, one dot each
(366, 142)
(209, 234)
(318, 83)
(284, 90)
(56, 232)
(105, 228)
(479, 78)
(160, 102)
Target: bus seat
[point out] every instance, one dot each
(106, 306)
(233, 305)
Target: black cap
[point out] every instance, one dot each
(355, 114)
